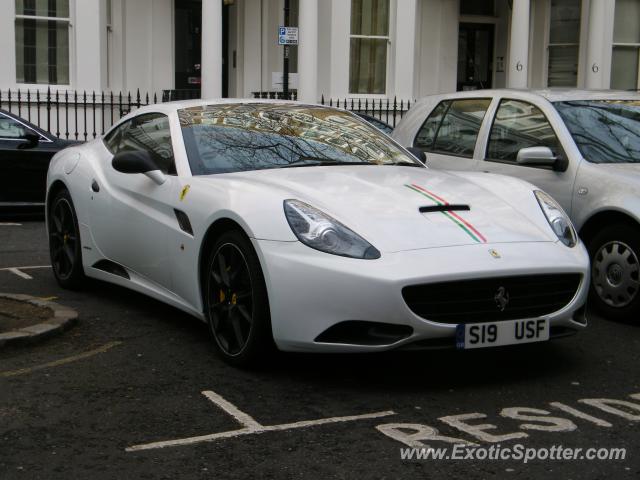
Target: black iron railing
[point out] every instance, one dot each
(86, 115)
(72, 114)
(387, 110)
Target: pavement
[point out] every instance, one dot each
(121, 396)
(27, 319)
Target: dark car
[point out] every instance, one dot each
(25, 153)
(376, 122)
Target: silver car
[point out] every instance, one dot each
(582, 147)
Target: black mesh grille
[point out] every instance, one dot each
(473, 301)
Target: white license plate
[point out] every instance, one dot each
(495, 334)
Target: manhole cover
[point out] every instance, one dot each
(17, 314)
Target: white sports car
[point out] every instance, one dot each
(305, 226)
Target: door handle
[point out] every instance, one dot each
(95, 187)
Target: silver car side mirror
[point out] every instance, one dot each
(536, 157)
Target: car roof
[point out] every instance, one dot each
(171, 107)
(551, 94)
(168, 107)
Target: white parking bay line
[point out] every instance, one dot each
(20, 273)
(244, 418)
(10, 224)
(251, 426)
(19, 270)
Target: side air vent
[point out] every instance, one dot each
(444, 208)
(183, 221)
(112, 268)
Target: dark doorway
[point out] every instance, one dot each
(225, 49)
(188, 24)
(475, 56)
(188, 50)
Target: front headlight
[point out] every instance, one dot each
(559, 221)
(322, 232)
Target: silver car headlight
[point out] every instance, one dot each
(318, 230)
(559, 221)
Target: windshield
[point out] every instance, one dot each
(240, 137)
(605, 131)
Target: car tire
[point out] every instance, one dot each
(615, 284)
(236, 301)
(65, 248)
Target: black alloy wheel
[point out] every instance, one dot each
(64, 242)
(236, 300)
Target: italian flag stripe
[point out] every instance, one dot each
(424, 190)
(462, 226)
(425, 194)
(454, 217)
(471, 227)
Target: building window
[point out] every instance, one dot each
(625, 61)
(369, 40)
(42, 41)
(564, 43)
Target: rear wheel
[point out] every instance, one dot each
(64, 242)
(615, 270)
(236, 301)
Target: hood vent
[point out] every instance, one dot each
(444, 208)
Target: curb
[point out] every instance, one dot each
(63, 319)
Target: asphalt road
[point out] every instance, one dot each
(132, 373)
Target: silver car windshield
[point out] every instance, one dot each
(228, 138)
(605, 131)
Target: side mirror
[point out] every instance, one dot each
(31, 140)
(419, 154)
(536, 157)
(138, 161)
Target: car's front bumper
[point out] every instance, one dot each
(310, 291)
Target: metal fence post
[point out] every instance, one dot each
(66, 114)
(84, 108)
(49, 109)
(28, 104)
(102, 113)
(395, 110)
(57, 113)
(93, 103)
(75, 110)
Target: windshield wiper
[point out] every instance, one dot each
(407, 164)
(319, 162)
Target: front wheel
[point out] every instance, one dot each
(64, 242)
(615, 269)
(236, 301)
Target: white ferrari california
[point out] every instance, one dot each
(306, 227)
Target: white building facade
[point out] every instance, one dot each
(361, 49)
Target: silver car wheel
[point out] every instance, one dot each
(614, 274)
